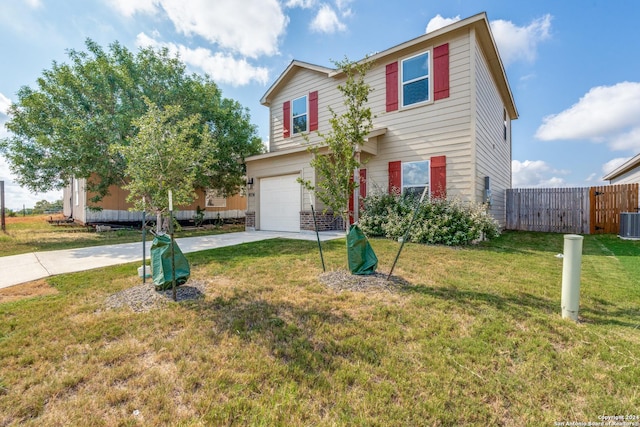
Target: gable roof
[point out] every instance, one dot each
(478, 22)
(289, 72)
(630, 164)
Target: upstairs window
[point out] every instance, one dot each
(504, 118)
(299, 114)
(415, 79)
(415, 177)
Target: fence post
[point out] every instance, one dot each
(570, 301)
(2, 223)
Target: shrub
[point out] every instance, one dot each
(438, 221)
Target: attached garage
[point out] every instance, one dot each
(280, 203)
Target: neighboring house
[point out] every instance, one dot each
(114, 207)
(442, 111)
(626, 173)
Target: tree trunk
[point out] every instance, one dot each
(158, 222)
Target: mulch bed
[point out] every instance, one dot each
(343, 280)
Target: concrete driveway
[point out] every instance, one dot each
(16, 269)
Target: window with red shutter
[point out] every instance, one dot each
(441, 72)
(286, 119)
(392, 86)
(395, 177)
(439, 177)
(415, 75)
(313, 111)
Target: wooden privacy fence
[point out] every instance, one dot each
(556, 210)
(570, 210)
(606, 204)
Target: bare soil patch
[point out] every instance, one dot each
(26, 290)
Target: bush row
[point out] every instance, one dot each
(438, 221)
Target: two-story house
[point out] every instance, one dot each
(442, 111)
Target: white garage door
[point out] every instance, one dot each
(280, 203)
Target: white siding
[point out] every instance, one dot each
(628, 177)
(493, 152)
(119, 215)
(300, 84)
(79, 207)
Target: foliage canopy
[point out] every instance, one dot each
(74, 121)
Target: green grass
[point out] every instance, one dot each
(476, 338)
(34, 233)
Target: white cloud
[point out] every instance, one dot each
(327, 21)
(250, 27)
(605, 114)
(34, 4)
(5, 103)
(627, 140)
(438, 22)
(129, 8)
(536, 173)
(514, 43)
(613, 164)
(520, 43)
(303, 4)
(223, 68)
(344, 7)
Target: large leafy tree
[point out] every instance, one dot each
(348, 131)
(79, 113)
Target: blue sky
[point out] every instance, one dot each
(573, 66)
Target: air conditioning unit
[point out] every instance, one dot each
(630, 225)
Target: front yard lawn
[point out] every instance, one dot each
(474, 338)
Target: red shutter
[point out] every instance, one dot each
(439, 177)
(313, 111)
(363, 193)
(441, 72)
(363, 186)
(286, 119)
(395, 177)
(392, 86)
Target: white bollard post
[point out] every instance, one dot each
(571, 265)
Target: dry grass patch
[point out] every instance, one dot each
(26, 290)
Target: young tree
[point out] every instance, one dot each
(348, 131)
(167, 153)
(68, 125)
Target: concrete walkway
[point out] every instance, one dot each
(16, 269)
